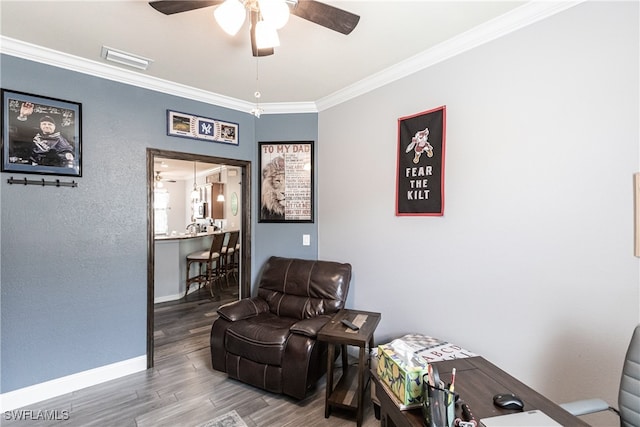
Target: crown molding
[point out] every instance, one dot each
(32, 52)
(520, 17)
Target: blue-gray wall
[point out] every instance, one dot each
(286, 240)
(74, 275)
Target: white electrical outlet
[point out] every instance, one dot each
(306, 239)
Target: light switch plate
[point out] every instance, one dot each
(306, 239)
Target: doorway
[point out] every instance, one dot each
(244, 279)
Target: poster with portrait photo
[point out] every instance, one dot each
(286, 181)
(41, 135)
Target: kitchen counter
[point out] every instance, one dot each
(182, 236)
(170, 264)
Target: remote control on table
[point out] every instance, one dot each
(349, 325)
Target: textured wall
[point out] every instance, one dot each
(74, 276)
(286, 239)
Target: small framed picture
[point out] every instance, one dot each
(286, 190)
(203, 128)
(41, 135)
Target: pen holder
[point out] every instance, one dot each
(438, 405)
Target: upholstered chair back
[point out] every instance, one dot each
(302, 289)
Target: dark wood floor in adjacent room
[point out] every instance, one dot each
(182, 389)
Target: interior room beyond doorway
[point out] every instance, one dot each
(191, 197)
(192, 200)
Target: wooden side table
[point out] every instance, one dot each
(335, 333)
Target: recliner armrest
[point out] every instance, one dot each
(583, 407)
(310, 327)
(243, 309)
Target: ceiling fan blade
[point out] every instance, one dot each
(326, 15)
(169, 7)
(254, 48)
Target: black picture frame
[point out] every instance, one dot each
(185, 125)
(286, 181)
(420, 167)
(31, 145)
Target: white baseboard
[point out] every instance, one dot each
(174, 297)
(49, 389)
(168, 298)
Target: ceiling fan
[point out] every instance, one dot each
(159, 179)
(231, 14)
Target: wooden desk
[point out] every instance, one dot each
(335, 333)
(477, 381)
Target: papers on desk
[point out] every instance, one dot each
(428, 348)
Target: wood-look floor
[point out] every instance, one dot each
(182, 389)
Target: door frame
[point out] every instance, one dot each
(245, 228)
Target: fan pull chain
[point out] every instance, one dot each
(257, 110)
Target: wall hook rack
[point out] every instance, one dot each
(42, 182)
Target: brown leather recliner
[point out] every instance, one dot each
(269, 341)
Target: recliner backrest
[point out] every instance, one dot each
(629, 395)
(302, 289)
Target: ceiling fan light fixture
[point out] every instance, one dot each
(266, 35)
(276, 12)
(230, 15)
(159, 183)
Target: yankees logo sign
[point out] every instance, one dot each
(420, 174)
(190, 126)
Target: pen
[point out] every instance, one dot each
(430, 372)
(452, 386)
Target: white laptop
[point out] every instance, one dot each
(534, 418)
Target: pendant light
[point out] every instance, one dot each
(220, 196)
(195, 194)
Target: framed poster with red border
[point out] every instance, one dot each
(420, 173)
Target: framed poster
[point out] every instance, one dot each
(41, 135)
(286, 181)
(420, 174)
(204, 128)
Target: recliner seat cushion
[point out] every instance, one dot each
(261, 339)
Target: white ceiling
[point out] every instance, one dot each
(181, 170)
(313, 66)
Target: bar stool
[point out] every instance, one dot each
(210, 259)
(228, 255)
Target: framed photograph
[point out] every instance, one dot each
(286, 175)
(203, 128)
(41, 135)
(420, 174)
